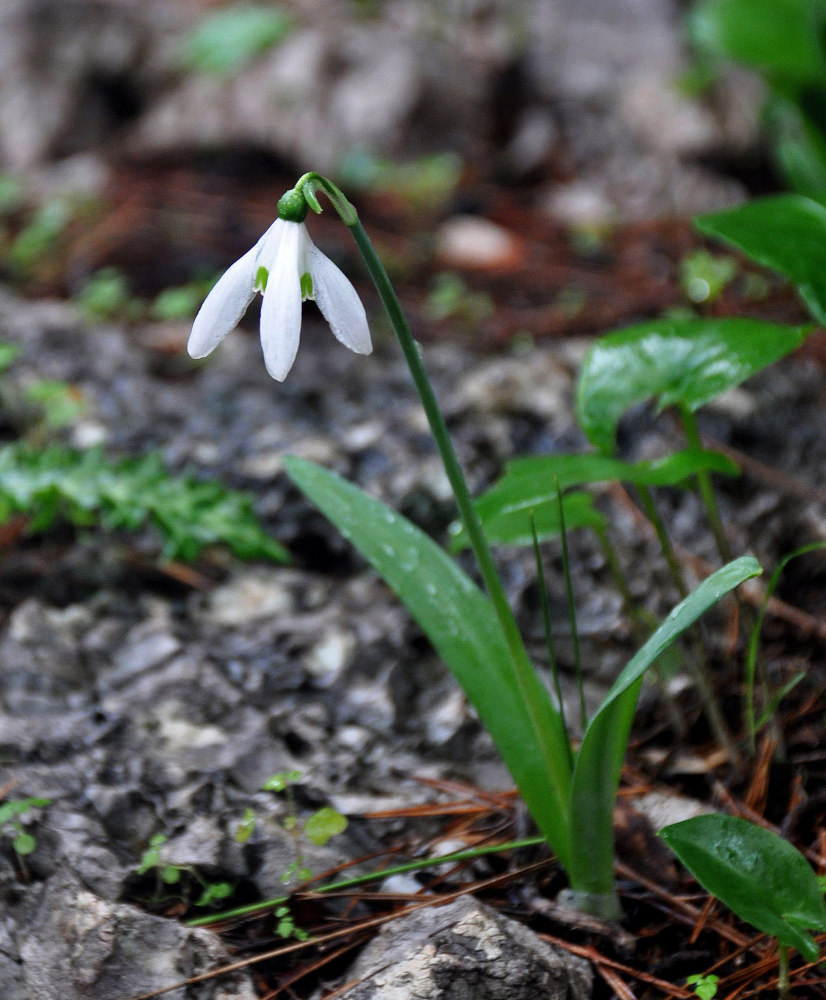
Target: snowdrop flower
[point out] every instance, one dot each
(287, 268)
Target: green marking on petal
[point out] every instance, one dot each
(306, 287)
(261, 276)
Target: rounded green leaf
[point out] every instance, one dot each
(678, 362)
(24, 843)
(786, 232)
(758, 875)
(324, 824)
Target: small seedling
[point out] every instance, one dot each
(704, 276)
(172, 875)
(705, 987)
(286, 927)
(12, 825)
(245, 828)
(317, 828)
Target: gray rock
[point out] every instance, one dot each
(63, 62)
(465, 951)
(76, 946)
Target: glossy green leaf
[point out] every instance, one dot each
(685, 362)
(512, 525)
(786, 232)
(774, 36)
(758, 875)
(599, 761)
(461, 623)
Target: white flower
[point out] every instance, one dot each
(296, 270)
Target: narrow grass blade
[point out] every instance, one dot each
(599, 762)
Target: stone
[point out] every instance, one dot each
(472, 242)
(465, 951)
(75, 946)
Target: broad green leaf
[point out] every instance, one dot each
(512, 526)
(599, 761)
(530, 482)
(786, 232)
(758, 875)
(685, 362)
(461, 623)
(774, 36)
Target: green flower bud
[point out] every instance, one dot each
(292, 206)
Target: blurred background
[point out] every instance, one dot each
(527, 166)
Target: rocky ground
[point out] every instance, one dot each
(142, 706)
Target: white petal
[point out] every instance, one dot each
(267, 246)
(224, 306)
(281, 309)
(339, 303)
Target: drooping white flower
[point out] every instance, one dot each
(287, 265)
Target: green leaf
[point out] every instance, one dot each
(17, 807)
(704, 986)
(171, 874)
(324, 824)
(774, 36)
(786, 232)
(461, 623)
(227, 39)
(214, 892)
(758, 875)
(529, 485)
(278, 782)
(798, 142)
(599, 761)
(679, 362)
(512, 525)
(24, 843)
(8, 352)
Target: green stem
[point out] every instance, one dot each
(692, 433)
(441, 436)
(569, 600)
(438, 427)
(350, 883)
(698, 663)
(783, 971)
(653, 515)
(549, 638)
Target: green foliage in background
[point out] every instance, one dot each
(226, 40)
(87, 489)
(783, 40)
